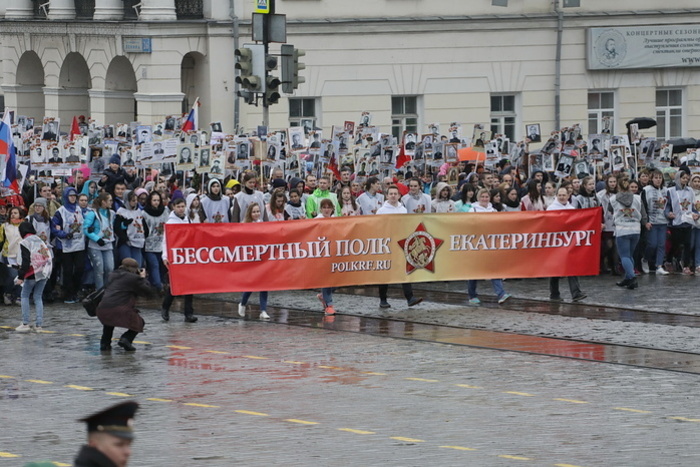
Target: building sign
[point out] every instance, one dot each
(137, 45)
(262, 6)
(382, 249)
(643, 47)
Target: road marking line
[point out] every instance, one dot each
(292, 362)
(155, 399)
(255, 358)
(330, 367)
(6, 327)
(79, 388)
(193, 404)
(61, 464)
(120, 394)
(357, 432)
(217, 352)
(143, 342)
(573, 401)
(178, 347)
(47, 332)
(631, 410)
(7, 377)
(517, 458)
(373, 373)
(248, 412)
(302, 422)
(408, 440)
(458, 448)
(38, 381)
(423, 380)
(469, 386)
(684, 419)
(8, 454)
(525, 394)
(77, 335)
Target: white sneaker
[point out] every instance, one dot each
(660, 271)
(23, 328)
(241, 310)
(264, 315)
(645, 266)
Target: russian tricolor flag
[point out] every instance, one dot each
(8, 156)
(191, 122)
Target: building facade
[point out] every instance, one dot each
(409, 63)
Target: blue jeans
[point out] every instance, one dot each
(497, 285)
(37, 287)
(153, 261)
(263, 300)
(102, 264)
(327, 295)
(656, 245)
(625, 248)
(126, 251)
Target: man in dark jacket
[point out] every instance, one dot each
(118, 306)
(115, 174)
(110, 434)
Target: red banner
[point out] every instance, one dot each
(387, 249)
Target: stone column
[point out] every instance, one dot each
(19, 9)
(108, 10)
(62, 9)
(217, 10)
(153, 107)
(109, 107)
(158, 10)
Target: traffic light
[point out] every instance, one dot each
(291, 67)
(296, 79)
(272, 94)
(251, 66)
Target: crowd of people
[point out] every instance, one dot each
(650, 224)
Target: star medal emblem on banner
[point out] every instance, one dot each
(419, 248)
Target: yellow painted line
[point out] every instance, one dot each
(201, 405)
(519, 393)
(61, 464)
(630, 410)
(79, 388)
(178, 347)
(248, 412)
(292, 362)
(155, 399)
(255, 358)
(330, 367)
(517, 458)
(6, 327)
(423, 380)
(77, 335)
(47, 332)
(468, 386)
(683, 419)
(373, 373)
(458, 448)
(217, 352)
(120, 394)
(8, 454)
(573, 401)
(7, 377)
(408, 440)
(142, 342)
(357, 432)
(302, 422)
(38, 381)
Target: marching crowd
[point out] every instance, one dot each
(64, 241)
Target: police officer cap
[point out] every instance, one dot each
(117, 420)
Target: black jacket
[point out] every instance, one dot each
(91, 457)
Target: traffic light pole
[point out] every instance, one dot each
(266, 44)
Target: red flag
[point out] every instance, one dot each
(402, 158)
(333, 165)
(74, 128)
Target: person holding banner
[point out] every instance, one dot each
(176, 216)
(254, 214)
(371, 200)
(327, 209)
(415, 201)
(321, 193)
(247, 196)
(215, 205)
(560, 204)
(483, 204)
(393, 206)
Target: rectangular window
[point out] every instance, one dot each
(504, 115)
(601, 108)
(404, 115)
(669, 113)
(303, 112)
